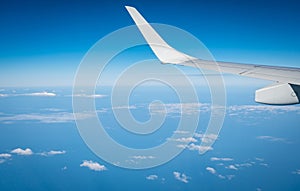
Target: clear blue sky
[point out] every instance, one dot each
(42, 42)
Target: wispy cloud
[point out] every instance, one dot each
(181, 177)
(271, 138)
(93, 165)
(152, 177)
(141, 157)
(52, 152)
(262, 108)
(214, 172)
(43, 94)
(194, 147)
(180, 108)
(296, 172)
(220, 159)
(5, 155)
(35, 94)
(206, 138)
(55, 117)
(20, 151)
(89, 96)
(185, 140)
(199, 148)
(181, 132)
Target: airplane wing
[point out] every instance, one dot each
(285, 91)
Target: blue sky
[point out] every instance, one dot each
(43, 42)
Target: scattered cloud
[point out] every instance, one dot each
(259, 159)
(93, 165)
(186, 140)
(229, 177)
(36, 94)
(296, 172)
(5, 155)
(180, 108)
(206, 138)
(89, 96)
(220, 159)
(140, 157)
(271, 138)
(64, 168)
(248, 164)
(20, 151)
(199, 148)
(52, 152)
(211, 170)
(124, 107)
(44, 94)
(181, 132)
(264, 164)
(181, 177)
(245, 109)
(214, 172)
(232, 167)
(152, 177)
(56, 117)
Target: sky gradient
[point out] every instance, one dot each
(42, 43)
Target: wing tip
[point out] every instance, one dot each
(129, 8)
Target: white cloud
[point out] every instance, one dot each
(180, 108)
(52, 152)
(2, 161)
(64, 168)
(186, 140)
(152, 177)
(38, 94)
(199, 148)
(20, 151)
(296, 172)
(206, 138)
(259, 159)
(181, 177)
(124, 107)
(262, 108)
(57, 117)
(143, 157)
(89, 96)
(5, 155)
(93, 165)
(211, 170)
(181, 132)
(229, 177)
(214, 172)
(264, 164)
(220, 159)
(271, 138)
(232, 167)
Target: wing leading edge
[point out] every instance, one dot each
(286, 90)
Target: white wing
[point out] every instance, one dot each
(285, 91)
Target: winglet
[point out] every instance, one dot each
(164, 52)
